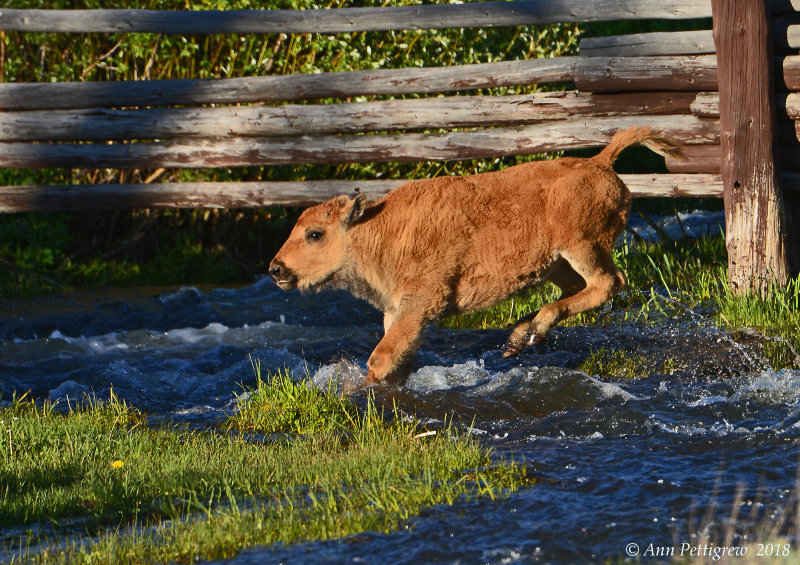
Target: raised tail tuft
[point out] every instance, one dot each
(631, 136)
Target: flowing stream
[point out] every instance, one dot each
(617, 462)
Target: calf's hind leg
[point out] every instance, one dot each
(565, 278)
(601, 280)
(570, 283)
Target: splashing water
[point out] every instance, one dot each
(616, 461)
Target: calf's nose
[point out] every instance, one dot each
(276, 269)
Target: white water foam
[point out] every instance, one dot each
(720, 428)
(344, 377)
(192, 335)
(474, 378)
(274, 335)
(611, 390)
(771, 387)
(431, 378)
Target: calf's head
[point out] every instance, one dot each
(317, 247)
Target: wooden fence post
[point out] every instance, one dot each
(756, 233)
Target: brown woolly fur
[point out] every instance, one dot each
(458, 244)
(632, 136)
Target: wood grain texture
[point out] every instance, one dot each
(591, 74)
(695, 42)
(789, 77)
(471, 14)
(39, 96)
(700, 42)
(616, 74)
(298, 193)
(792, 37)
(706, 105)
(756, 232)
(255, 194)
(698, 159)
(239, 152)
(676, 72)
(708, 159)
(100, 124)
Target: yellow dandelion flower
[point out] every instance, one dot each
(117, 464)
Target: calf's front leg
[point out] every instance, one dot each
(392, 358)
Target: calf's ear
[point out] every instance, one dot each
(352, 208)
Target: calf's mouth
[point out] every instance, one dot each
(283, 277)
(287, 284)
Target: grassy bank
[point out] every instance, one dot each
(98, 485)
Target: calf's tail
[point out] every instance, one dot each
(631, 136)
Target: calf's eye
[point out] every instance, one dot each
(315, 235)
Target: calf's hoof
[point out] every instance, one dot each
(373, 379)
(352, 386)
(512, 349)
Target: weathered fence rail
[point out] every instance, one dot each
(666, 80)
(103, 124)
(700, 42)
(476, 14)
(32, 96)
(590, 74)
(294, 193)
(240, 152)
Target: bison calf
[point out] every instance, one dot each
(458, 244)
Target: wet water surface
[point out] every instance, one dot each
(616, 461)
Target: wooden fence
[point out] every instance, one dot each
(666, 80)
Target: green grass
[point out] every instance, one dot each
(617, 364)
(673, 279)
(773, 321)
(779, 310)
(170, 494)
(281, 404)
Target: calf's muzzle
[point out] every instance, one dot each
(282, 276)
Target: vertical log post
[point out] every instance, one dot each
(755, 224)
